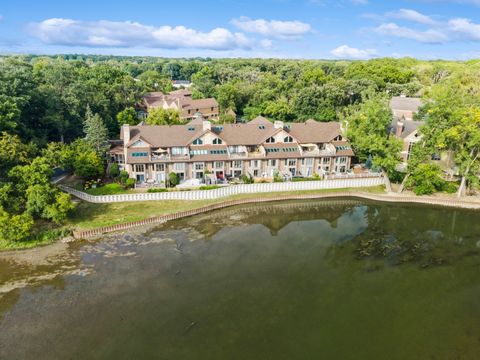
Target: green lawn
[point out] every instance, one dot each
(90, 216)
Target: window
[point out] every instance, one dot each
(218, 152)
(178, 151)
(139, 154)
(290, 162)
(288, 139)
(139, 168)
(211, 109)
(197, 141)
(189, 111)
(272, 163)
(270, 140)
(159, 167)
(179, 167)
(325, 161)
(198, 152)
(341, 160)
(237, 164)
(191, 128)
(309, 161)
(338, 138)
(217, 141)
(198, 166)
(218, 164)
(254, 163)
(261, 127)
(322, 146)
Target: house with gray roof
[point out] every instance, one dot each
(403, 125)
(259, 149)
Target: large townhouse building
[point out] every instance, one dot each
(181, 101)
(259, 149)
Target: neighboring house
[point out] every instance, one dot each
(403, 125)
(259, 148)
(181, 100)
(180, 84)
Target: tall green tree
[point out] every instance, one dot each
(96, 133)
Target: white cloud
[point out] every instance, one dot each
(347, 52)
(106, 33)
(412, 15)
(272, 28)
(430, 36)
(465, 29)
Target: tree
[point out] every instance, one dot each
(14, 228)
(160, 116)
(426, 179)
(9, 114)
(173, 179)
(88, 165)
(127, 116)
(12, 152)
(96, 134)
(367, 126)
(114, 170)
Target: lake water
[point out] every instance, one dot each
(339, 279)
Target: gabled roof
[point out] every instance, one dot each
(249, 134)
(408, 127)
(405, 103)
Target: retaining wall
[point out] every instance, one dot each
(377, 197)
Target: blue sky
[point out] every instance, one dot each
(316, 29)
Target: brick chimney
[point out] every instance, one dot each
(126, 133)
(278, 124)
(399, 128)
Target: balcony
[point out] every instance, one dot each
(238, 155)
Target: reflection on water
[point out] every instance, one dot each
(338, 279)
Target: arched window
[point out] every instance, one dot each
(288, 139)
(338, 138)
(271, 140)
(198, 142)
(217, 141)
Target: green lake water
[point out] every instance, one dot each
(338, 279)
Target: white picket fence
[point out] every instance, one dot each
(352, 182)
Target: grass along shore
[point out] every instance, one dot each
(89, 216)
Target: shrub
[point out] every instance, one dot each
(157, 190)
(173, 179)
(114, 170)
(123, 176)
(208, 187)
(247, 179)
(109, 189)
(130, 183)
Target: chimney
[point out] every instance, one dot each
(126, 133)
(206, 125)
(278, 124)
(399, 128)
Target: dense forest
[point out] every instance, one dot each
(59, 112)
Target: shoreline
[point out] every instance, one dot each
(164, 215)
(386, 197)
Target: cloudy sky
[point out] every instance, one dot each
(327, 29)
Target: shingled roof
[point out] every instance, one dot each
(405, 103)
(250, 134)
